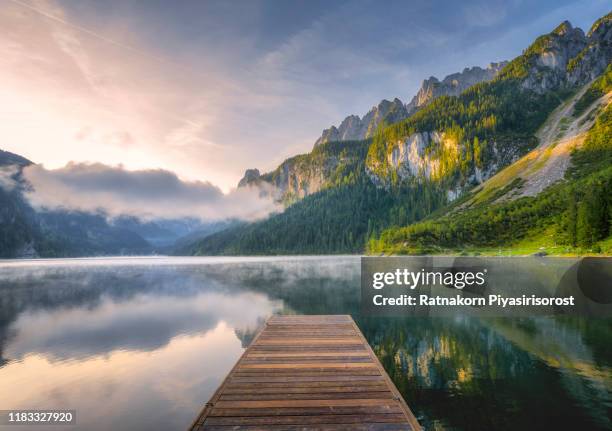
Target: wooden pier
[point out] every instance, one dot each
(307, 373)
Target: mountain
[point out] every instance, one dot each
(18, 229)
(299, 176)
(564, 57)
(461, 141)
(555, 199)
(27, 232)
(165, 234)
(452, 85)
(12, 159)
(303, 175)
(337, 219)
(431, 162)
(354, 128)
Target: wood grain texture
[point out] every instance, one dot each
(307, 373)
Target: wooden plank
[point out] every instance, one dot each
(297, 385)
(314, 427)
(310, 341)
(308, 411)
(307, 373)
(294, 379)
(313, 395)
(309, 359)
(299, 365)
(293, 349)
(253, 404)
(299, 356)
(309, 420)
(302, 389)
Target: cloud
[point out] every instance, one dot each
(8, 175)
(146, 194)
(218, 87)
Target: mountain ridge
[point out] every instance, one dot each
(354, 128)
(435, 157)
(415, 184)
(27, 232)
(563, 58)
(453, 84)
(553, 200)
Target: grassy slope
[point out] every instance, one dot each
(349, 210)
(500, 111)
(491, 221)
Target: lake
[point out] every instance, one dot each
(142, 343)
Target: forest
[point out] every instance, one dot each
(578, 211)
(337, 219)
(365, 206)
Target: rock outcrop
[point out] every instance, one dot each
(566, 57)
(452, 85)
(431, 156)
(302, 175)
(354, 128)
(250, 176)
(595, 56)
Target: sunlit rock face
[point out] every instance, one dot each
(410, 159)
(437, 157)
(290, 180)
(295, 181)
(299, 176)
(452, 85)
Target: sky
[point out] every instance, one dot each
(202, 90)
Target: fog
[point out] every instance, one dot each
(146, 194)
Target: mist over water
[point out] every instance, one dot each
(137, 343)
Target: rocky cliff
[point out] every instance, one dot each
(560, 60)
(415, 166)
(453, 84)
(595, 56)
(565, 57)
(299, 176)
(432, 150)
(251, 176)
(436, 156)
(354, 128)
(291, 180)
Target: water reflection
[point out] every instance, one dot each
(127, 390)
(467, 373)
(136, 343)
(153, 321)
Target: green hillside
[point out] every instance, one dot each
(367, 201)
(572, 216)
(338, 219)
(499, 111)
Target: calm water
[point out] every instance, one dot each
(137, 344)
